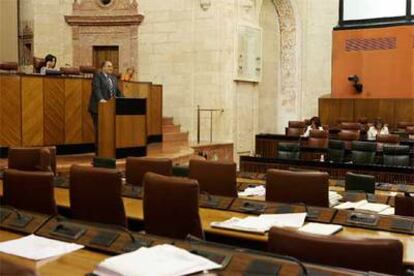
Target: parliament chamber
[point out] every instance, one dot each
(142, 137)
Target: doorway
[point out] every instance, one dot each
(103, 53)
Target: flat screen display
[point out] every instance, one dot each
(371, 9)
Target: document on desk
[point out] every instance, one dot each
(162, 260)
(320, 228)
(294, 220)
(254, 191)
(37, 248)
(363, 205)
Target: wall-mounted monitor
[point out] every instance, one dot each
(373, 9)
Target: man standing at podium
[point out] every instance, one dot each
(104, 87)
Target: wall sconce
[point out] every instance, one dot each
(205, 4)
(356, 84)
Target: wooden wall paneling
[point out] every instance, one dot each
(375, 108)
(10, 110)
(54, 111)
(106, 126)
(330, 110)
(32, 111)
(144, 91)
(403, 110)
(155, 111)
(88, 130)
(129, 89)
(1, 114)
(73, 111)
(135, 126)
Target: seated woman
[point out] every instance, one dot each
(376, 129)
(128, 75)
(315, 124)
(50, 61)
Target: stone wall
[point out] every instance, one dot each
(8, 31)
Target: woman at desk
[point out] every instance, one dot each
(377, 129)
(50, 63)
(315, 124)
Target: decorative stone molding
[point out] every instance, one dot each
(205, 4)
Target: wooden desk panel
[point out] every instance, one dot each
(10, 110)
(54, 110)
(88, 130)
(133, 124)
(32, 111)
(73, 111)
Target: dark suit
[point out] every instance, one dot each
(101, 90)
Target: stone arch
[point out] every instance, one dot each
(289, 96)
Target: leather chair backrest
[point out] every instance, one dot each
(29, 190)
(363, 152)
(171, 206)
(396, 155)
(379, 255)
(137, 167)
(348, 136)
(215, 177)
(310, 188)
(87, 69)
(404, 125)
(410, 129)
(9, 66)
(388, 138)
(32, 159)
(288, 151)
(296, 124)
(70, 70)
(318, 138)
(336, 151)
(294, 132)
(95, 195)
(404, 205)
(360, 182)
(38, 63)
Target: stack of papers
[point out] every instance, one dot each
(37, 248)
(320, 228)
(262, 223)
(159, 260)
(334, 198)
(254, 191)
(363, 205)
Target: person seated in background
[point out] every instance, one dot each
(128, 75)
(376, 129)
(50, 63)
(315, 123)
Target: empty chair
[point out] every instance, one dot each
(360, 182)
(171, 206)
(404, 125)
(288, 151)
(336, 151)
(379, 255)
(363, 152)
(214, 177)
(388, 138)
(29, 190)
(396, 155)
(9, 66)
(348, 137)
(38, 63)
(351, 126)
(32, 159)
(95, 195)
(310, 188)
(318, 138)
(136, 167)
(404, 205)
(295, 128)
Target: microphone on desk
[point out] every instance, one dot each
(21, 220)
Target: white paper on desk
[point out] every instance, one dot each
(160, 260)
(351, 205)
(388, 212)
(254, 191)
(248, 224)
(334, 198)
(373, 207)
(320, 228)
(37, 248)
(294, 220)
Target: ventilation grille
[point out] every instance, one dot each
(370, 44)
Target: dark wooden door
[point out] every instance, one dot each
(103, 53)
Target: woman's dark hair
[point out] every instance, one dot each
(378, 121)
(316, 120)
(50, 57)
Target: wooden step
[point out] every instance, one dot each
(175, 137)
(167, 121)
(170, 128)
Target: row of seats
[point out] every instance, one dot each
(171, 209)
(362, 153)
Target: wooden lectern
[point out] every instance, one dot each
(122, 128)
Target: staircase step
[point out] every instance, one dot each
(170, 128)
(175, 137)
(167, 121)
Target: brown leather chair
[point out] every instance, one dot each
(296, 124)
(379, 255)
(136, 167)
(404, 205)
(87, 69)
(388, 139)
(9, 66)
(351, 126)
(32, 159)
(29, 190)
(171, 206)
(310, 188)
(95, 195)
(404, 125)
(295, 128)
(215, 177)
(38, 63)
(348, 136)
(318, 138)
(70, 70)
